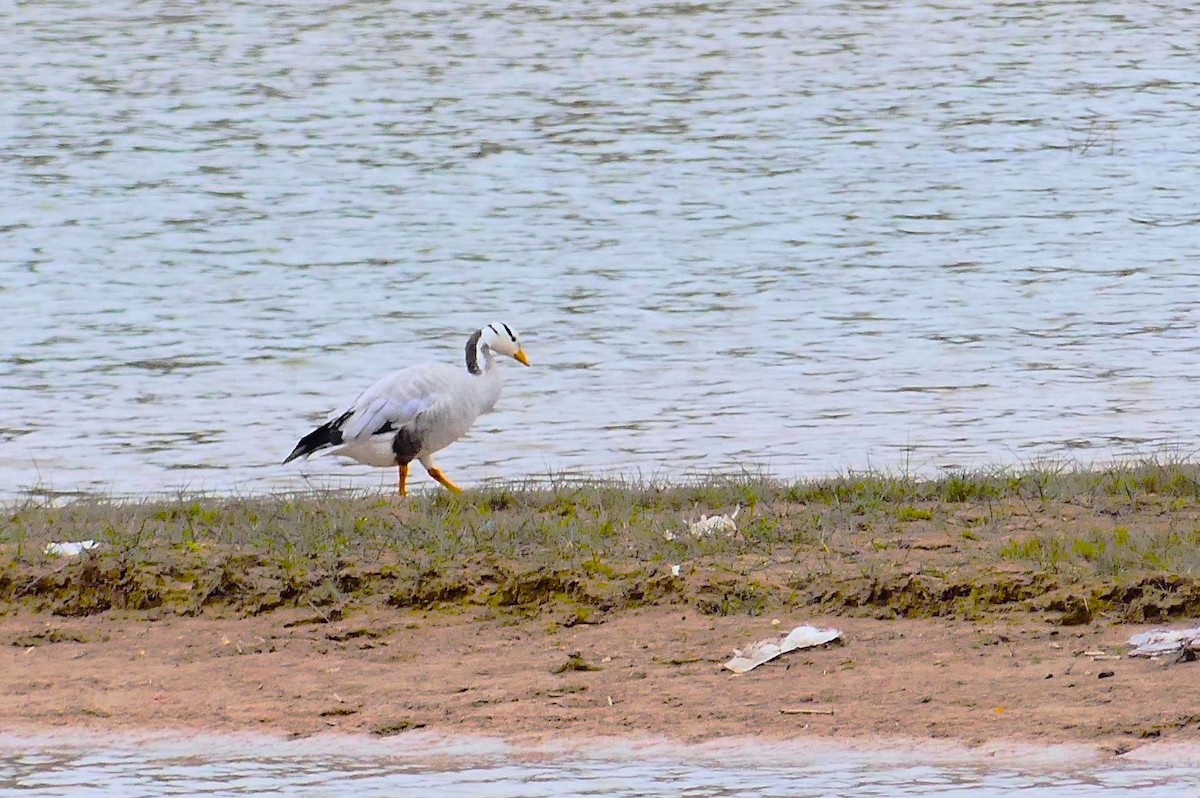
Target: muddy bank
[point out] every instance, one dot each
(654, 671)
(1118, 545)
(976, 606)
(228, 582)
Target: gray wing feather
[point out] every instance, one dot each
(377, 416)
(417, 396)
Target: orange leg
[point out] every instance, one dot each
(403, 480)
(437, 474)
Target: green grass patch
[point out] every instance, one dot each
(832, 545)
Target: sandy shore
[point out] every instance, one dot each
(653, 670)
(976, 608)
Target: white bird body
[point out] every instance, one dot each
(439, 401)
(413, 413)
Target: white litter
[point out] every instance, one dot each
(1160, 642)
(756, 654)
(73, 549)
(674, 570)
(712, 524)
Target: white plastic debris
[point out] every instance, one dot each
(71, 549)
(756, 654)
(712, 524)
(1160, 642)
(674, 570)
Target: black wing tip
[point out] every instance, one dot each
(324, 436)
(304, 448)
(297, 452)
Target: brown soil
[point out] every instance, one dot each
(654, 669)
(993, 609)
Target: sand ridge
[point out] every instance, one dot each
(653, 670)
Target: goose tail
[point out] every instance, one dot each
(323, 437)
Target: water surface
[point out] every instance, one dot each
(920, 235)
(329, 767)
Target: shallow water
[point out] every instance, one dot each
(248, 766)
(921, 235)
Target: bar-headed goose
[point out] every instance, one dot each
(415, 412)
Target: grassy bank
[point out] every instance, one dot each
(1122, 543)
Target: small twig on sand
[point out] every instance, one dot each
(803, 711)
(319, 611)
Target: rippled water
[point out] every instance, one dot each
(248, 766)
(812, 237)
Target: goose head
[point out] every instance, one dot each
(502, 340)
